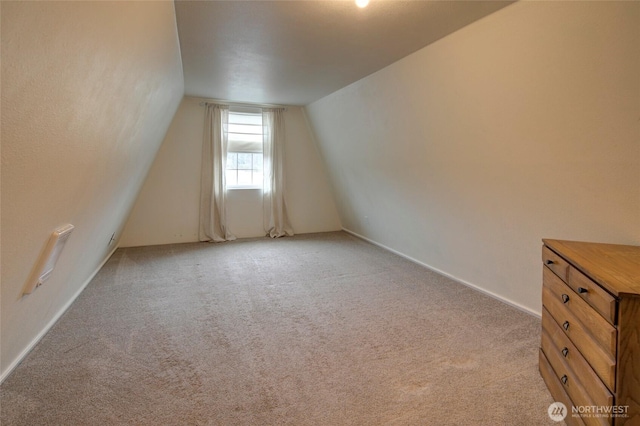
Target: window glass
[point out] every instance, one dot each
(244, 150)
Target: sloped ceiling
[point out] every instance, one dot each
(88, 92)
(295, 52)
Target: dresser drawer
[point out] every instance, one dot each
(556, 389)
(600, 353)
(554, 262)
(562, 354)
(567, 304)
(593, 294)
(573, 387)
(591, 324)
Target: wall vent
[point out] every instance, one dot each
(48, 258)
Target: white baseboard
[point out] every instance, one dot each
(61, 312)
(463, 282)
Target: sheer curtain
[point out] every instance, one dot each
(276, 221)
(213, 220)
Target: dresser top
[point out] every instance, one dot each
(614, 267)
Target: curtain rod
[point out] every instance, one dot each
(238, 104)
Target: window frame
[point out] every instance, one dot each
(242, 125)
(253, 185)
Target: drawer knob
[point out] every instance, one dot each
(549, 262)
(582, 290)
(565, 325)
(564, 379)
(565, 352)
(565, 298)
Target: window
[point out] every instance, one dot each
(244, 149)
(244, 169)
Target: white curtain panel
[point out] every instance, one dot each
(213, 218)
(276, 221)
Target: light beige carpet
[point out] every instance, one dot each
(320, 329)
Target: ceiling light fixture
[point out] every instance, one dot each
(362, 3)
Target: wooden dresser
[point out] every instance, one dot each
(590, 346)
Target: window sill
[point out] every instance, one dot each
(235, 188)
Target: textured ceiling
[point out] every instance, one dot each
(295, 52)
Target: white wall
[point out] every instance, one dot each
(520, 126)
(168, 206)
(88, 91)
